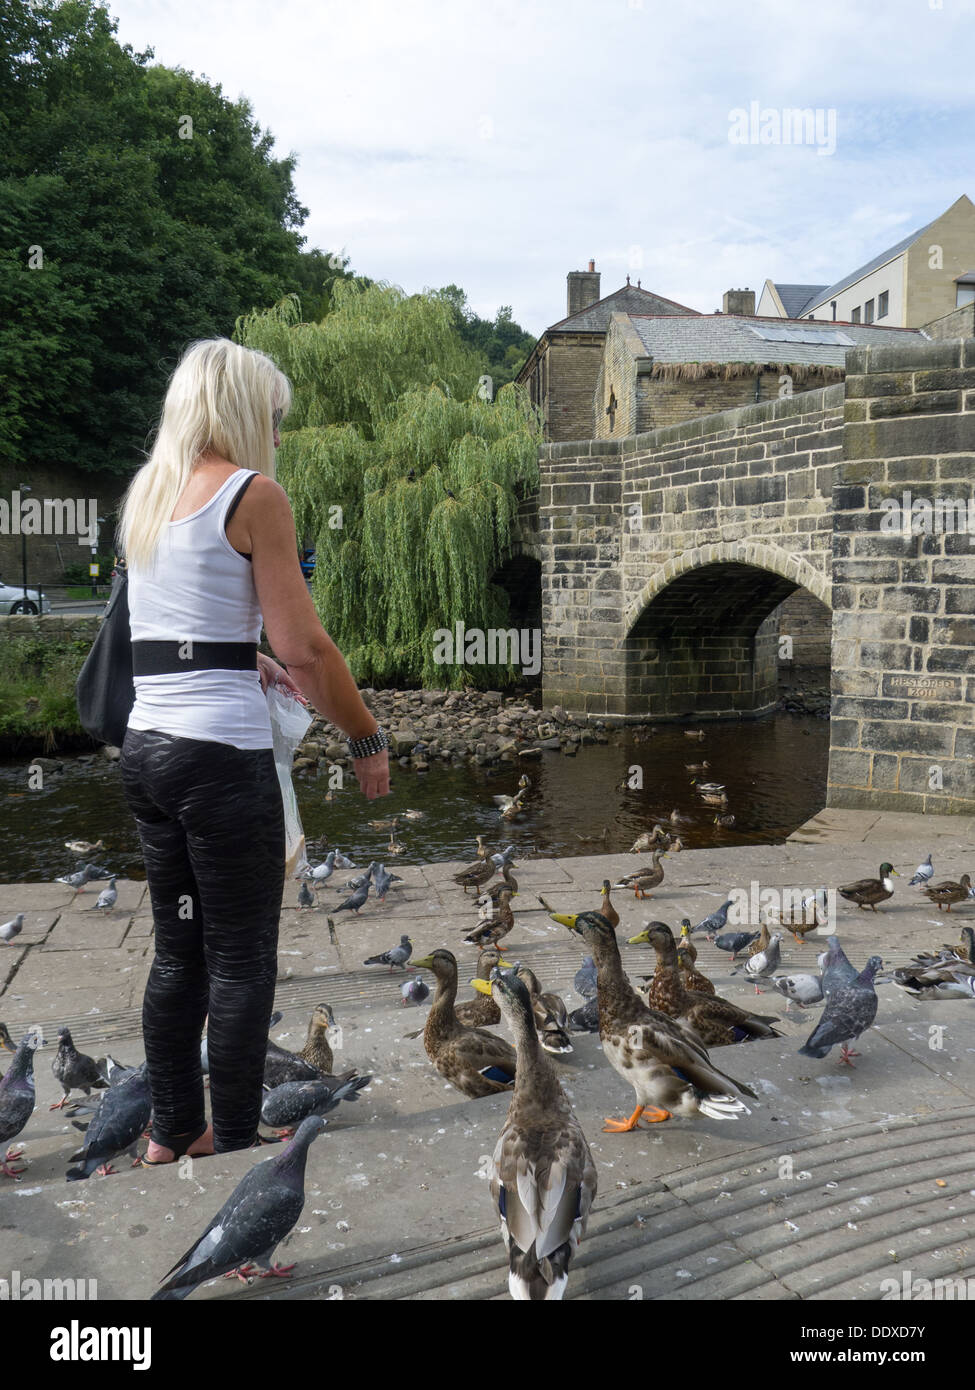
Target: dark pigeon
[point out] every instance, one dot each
(586, 1019)
(834, 966)
(262, 1209)
(382, 882)
(415, 991)
(717, 920)
(306, 898)
(17, 1098)
(849, 1011)
(585, 978)
(396, 955)
(122, 1115)
(355, 901)
(74, 1070)
(735, 941)
(286, 1106)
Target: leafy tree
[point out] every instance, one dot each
(407, 482)
(501, 344)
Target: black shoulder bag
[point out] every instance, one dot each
(104, 690)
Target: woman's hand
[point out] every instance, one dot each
(273, 674)
(373, 774)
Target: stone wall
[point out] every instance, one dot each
(903, 726)
(808, 624)
(960, 323)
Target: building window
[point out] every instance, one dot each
(832, 305)
(855, 315)
(611, 410)
(965, 294)
(883, 304)
(868, 311)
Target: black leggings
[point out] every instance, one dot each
(211, 823)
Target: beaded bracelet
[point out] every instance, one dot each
(366, 747)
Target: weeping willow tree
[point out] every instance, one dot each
(408, 482)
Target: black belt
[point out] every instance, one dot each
(171, 658)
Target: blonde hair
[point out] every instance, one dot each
(221, 399)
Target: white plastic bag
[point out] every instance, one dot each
(290, 721)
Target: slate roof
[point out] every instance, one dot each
(793, 297)
(629, 299)
(734, 338)
(833, 290)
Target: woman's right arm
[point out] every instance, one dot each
(265, 524)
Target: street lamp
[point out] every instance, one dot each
(24, 487)
(93, 569)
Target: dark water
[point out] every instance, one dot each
(774, 771)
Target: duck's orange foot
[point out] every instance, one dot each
(653, 1116)
(625, 1126)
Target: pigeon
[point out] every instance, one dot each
(361, 879)
(717, 920)
(17, 1099)
(586, 1019)
(763, 965)
(415, 991)
(96, 873)
(74, 1070)
(342, 861)
(800, 989)
(923, 874)
(262, 1209)
(320, 873)
(306, 898)
(355, 901)
(112, 1071)
(849, 1011)
(505, 857)
(78, 880)
(287, 1105)
(735, 941)
(12, 928)
(585, 978)
(116, 1126)
(382, 881)
(396, 955)
(837, 970)
(108, 897)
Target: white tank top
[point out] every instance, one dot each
(199, 588)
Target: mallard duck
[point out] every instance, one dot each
(761, 941)
(481, 1011)
(317, 1050)
(945, 893)
(280, 1065)
(490, 932)
(945, 977)
(965, 949)
(543, 1179)
(394, 846)
(410, 814)
(697, 767)
(799, 920)
(594, 839)
(713, 798)
(868, 892)
(687, 960)
(475, 875)
(509, 806)
(606, 907)
(647, 840)
(716, 1021)
(84, 846)
(648, 879)
(389, 824)
(726, 822)
(551, 1015)
(475, 1062)
(668, 1068)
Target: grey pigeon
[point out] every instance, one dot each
(716, 921)
(586, 1019)
(924, 872)
(122, 1115)
(286, 1106)
(74, 1070)
(108, 897)
(415, 991)
(849, 1011)
(263, 1207)
(800, 989)
(396, 955)
(382, 881)
(505, 857)
(78, 880)
(735, 941)
(321, 873)
(837, 970)
(353, 903)
(306, 898)
(17, 1098)
(360, 879)
(342, 861)
(585, 978)
(763, 965)
(12, 928)
(96, 873)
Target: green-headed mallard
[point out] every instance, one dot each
(948, 892)
(543, 1178)
(868, 892)
(716, 1021)
(499, 924)
(475, 1062)
(668, 1068)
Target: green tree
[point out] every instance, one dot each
(501, 345)
(407, 483)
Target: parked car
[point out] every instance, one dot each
(12, 600)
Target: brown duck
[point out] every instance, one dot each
(687, 960)
(551, 1015)
(481, 1011)
(716, 1021)
(606, 907)
(489, 933)
(648, 879)
(948, 892)
(475, 1062)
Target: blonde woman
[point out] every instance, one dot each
(209, 539)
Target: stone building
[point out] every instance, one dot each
(922, 277)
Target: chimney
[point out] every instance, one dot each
(738, 302)
(583, 288)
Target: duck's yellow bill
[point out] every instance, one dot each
(565, 919)
(425, 962)
(640, 940)
(482, 986)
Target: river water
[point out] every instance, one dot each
(774, 771)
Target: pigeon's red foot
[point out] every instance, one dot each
(59, 1105)
(105, 1171)
(846, 1054)
(11, 1156)
(245, 1273)
(277, 1272)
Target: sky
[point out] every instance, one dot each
(499, 146)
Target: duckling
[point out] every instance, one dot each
(868, 892)
(475, 1062)
(944, 893)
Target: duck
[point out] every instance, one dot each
(389, 824)
(644, 883)
(317, 1051)
(694, 733)
(697, 767)
(551, 1015)
(410, 814)
(542, 1175)
(716, 1021)
(948, 892)
(687, 960)
(868, 892)
(475, 875)
(490, 932)
(473, 1061)
(280, 1065)
(726, 822)
(947, 977)
(713, 798)
(761, 941)
(667, 1066)
(510, 806)
(965, 949)
(647, 840)
(607, 908)
(394, 846)
(800, 921)
(481, 1011)
(594, 839)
